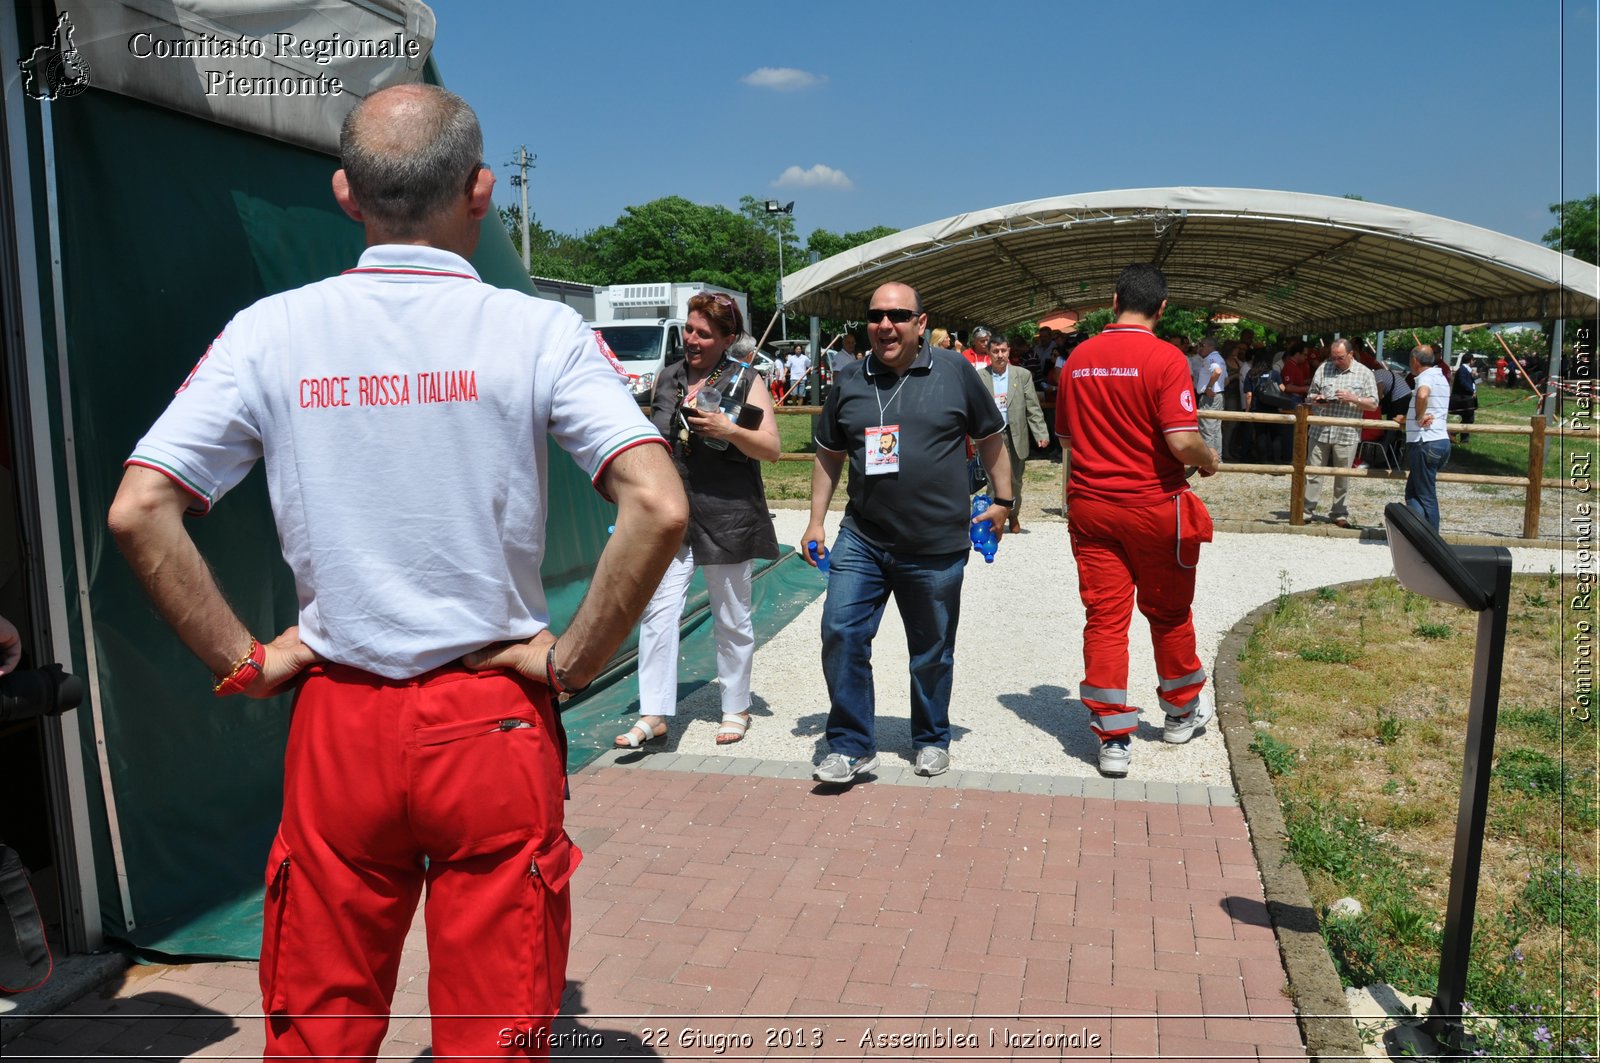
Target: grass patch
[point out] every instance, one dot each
(1365, 751)
(1504, 455)
(1327, 653)
(1278, 756)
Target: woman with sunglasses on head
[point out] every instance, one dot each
(716, 414)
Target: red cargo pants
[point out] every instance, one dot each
(1126, 555)
(454, 781)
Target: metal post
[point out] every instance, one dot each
(1449, 344)
(1380, 345)
(814, 385)
(775, 208)
(1444, 1017)
(1551, 406)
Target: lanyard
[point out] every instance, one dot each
(878, 394)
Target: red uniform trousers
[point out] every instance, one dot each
(1124, 554)
(453, 780)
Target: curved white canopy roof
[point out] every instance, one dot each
(1298, 262)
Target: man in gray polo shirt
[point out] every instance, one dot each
(901, 416)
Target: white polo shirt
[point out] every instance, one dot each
(404, 410)
(1438, 386)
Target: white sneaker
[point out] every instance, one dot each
(838, 768)
(1115, 757)
(1179, 729)
(931, 760)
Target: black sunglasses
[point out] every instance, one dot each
(898, 315)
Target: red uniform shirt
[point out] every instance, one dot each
(1296, 374)
(1120, 394)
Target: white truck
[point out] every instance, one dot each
(642, 325)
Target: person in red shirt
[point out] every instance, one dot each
(1128, 427)
(978, 353)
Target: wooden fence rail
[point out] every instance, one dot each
(1533, 483)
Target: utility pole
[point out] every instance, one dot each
(523, 163)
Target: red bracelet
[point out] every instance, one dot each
(247, 671)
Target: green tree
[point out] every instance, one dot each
(553, 254)
(826, 244)
(1095, 320)
(1577, 229)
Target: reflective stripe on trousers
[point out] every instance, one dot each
(1126, 557)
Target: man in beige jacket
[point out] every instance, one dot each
(1014, 393)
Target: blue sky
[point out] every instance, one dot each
(903, 114)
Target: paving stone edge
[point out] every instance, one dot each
(1330, 1032)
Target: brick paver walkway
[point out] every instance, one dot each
(736, 905)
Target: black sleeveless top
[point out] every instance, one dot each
(728, 518)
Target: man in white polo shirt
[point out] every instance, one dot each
(403, 410)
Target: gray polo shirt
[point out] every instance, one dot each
(923, 508)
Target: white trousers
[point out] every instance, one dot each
(729, 586)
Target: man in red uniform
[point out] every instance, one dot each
(1128, 427)
(425, 749)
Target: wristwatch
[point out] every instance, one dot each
(1009, 503)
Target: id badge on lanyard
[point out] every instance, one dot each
(883, 449)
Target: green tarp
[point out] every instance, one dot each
(169, 225)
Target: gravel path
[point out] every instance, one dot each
(1018, 658)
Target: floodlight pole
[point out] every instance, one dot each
(774, 207)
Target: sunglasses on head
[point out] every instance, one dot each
(898, 315)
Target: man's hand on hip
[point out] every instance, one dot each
(525, 658)
(286, 657)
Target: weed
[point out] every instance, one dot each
(1430, 630)
(1391, 787)
(1404, 922)
(1563, 898)
(1553, 579)
(1327, 653)
(1529, 771)
(1389, 729)
(1278, 755)
(1540, 724)
(1327, 594)
(1284, 587)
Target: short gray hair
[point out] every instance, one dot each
(979, 333)
(402, 174)
(1341, 342)
(1424, 355)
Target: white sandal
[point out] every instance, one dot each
(734, 725)
(637, 735)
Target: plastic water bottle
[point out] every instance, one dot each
(819, 554)
(709, 400)
(982, 533)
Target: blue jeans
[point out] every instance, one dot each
(927, 590)
(1423, 462)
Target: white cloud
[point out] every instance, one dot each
(819, 176)
(782, 78)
